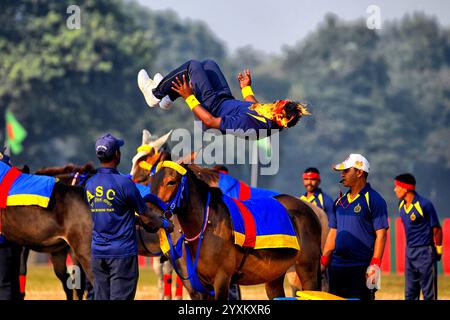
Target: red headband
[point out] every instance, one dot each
(311, 175)
(405, 185)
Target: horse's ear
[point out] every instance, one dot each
(188, 159)
(157, 144)
(146, 136)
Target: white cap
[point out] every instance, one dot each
(354, 160)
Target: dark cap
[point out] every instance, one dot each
(106, 146)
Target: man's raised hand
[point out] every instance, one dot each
(183, 88)
(244, 78)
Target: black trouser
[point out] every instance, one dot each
(421, 273)
(9, 271)
(115, 278)
(210, 85)
(234, 293)
(349, 282)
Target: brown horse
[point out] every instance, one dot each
(211, 177)
(58, 252)
(220, 260)
(66, 221)
(151, 152)
(69, 174)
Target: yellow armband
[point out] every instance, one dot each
(247, 91)
(439, 249)
(192, 101)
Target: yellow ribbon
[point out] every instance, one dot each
(145, 165)
(146, 148)
(173, 165)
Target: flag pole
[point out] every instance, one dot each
(254, 165)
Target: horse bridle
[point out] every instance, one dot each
(171, 206)
(182, 191)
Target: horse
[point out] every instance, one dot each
(69, 174)
(211, 177)
(149, 154)
(49, 230)
(66, 221)
(219, 259)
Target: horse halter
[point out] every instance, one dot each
(175, 252)
(182, 188)
(182, 192)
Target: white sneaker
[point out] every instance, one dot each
(166, 103)
(157, 78)
(147, 85)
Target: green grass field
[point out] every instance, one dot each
(42, 284)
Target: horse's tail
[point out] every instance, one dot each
(323, 218)
(322, 280)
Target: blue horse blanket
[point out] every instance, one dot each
(261, 223)
(28, 189)
(237, 189)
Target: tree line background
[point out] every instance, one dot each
(385, 93)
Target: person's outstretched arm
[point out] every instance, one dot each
(185, 90)
(245, 82)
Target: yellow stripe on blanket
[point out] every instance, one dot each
(27, 200)
(269, 241)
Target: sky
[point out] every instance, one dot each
(267, 25)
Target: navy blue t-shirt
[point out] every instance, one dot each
(236, 114)
(320, 199)
(356, 222)
(419, 218)
(114, 199)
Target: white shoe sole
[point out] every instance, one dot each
(146, 85)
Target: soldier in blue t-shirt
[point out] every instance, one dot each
(314, 194)
(358, 228)
(423, 239)
(114, 200)
(216, 107)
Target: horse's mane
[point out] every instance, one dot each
(69, 168)
(216, 193)
(208, 175)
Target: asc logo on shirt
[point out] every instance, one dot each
(101, 196)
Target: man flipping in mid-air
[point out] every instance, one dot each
(206, 91)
